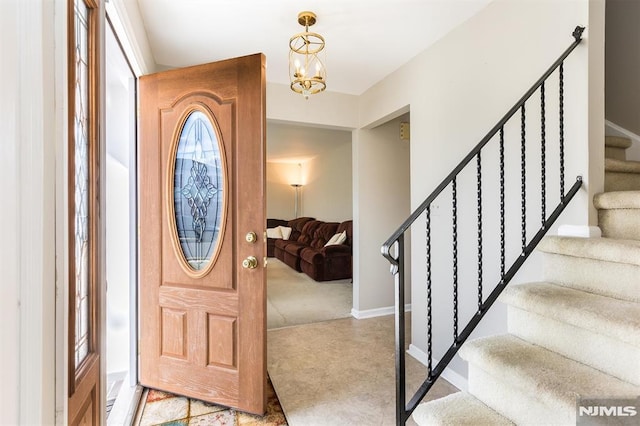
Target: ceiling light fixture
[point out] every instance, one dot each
(304, 60)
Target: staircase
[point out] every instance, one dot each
(576, 334)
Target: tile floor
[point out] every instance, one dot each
(161, 408)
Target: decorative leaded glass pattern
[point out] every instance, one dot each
(198, 190)
(81, 178)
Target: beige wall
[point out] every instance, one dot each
(320, 159)
(622, 90)
(381, 203)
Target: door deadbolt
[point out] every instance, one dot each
(251, 237)
(250, 263)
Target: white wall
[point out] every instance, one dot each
(381, 203)
(318, 158)
(329, 109)
(457, 90)
(117, 256)
(27, 246)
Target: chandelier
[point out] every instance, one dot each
(306, 70)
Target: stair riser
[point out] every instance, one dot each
(615, 181)
(615, 153)
(594, 276)
(620, 359)
(620, 223)
(521, 407)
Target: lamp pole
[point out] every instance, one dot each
(297, 187)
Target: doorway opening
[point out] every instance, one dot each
(123, 392)
(309, 175)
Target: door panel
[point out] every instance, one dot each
(202, 314)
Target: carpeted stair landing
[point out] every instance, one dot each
(576, 334)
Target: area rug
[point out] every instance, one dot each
(162, 408)
(293, 298)
(341, 372)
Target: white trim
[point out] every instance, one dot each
(448, 374)
(581, 231)
(9, 215)
(377, 312)
(62, 247)
(622, 131)
(135, 46)
(36, 207)
(126, 405)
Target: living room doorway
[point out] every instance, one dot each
(309, 174)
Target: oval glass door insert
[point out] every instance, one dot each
(198, 192)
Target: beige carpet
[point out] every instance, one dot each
(340, 372)
(293, 298)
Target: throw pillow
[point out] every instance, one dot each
(285, 231)
(337, 239)
(274, 233)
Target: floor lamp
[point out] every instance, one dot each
(297, 187)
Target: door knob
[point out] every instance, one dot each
(251, 237)
(250, 263)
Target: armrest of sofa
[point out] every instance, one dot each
(336, 249)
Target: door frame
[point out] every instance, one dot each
(128, 398)
(63, 363)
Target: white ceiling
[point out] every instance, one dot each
(365, 39)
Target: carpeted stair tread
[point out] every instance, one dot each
(605, 249)
(456, 409)
(600, 314)
(617, 200)
(543, 374)
(617, 142)
(621, 166)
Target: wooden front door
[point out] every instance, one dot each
(202, 218)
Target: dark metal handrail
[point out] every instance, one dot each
(397, 239)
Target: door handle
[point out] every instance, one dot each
(250, 263)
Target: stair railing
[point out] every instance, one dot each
(394, 248)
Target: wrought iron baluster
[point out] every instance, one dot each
(454, 191)
(502, 231)
(561, 90)
(479, 199)
(429, 330)
(543, 159)
(401, 414)
(523, 176)
(529, 238)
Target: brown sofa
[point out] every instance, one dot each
(271, 242)
(305, 250)
(331, 262)
(278, 245)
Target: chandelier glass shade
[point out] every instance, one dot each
(306, 68)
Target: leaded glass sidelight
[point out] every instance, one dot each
(81, 182)
(198, 191)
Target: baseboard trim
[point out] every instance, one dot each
(378, 312)
(448, 374)
(622, 131)
(581, 231)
